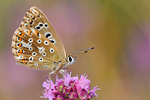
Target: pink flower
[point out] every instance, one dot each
(69, 88)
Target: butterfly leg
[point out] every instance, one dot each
(50, 74)
(62, 71)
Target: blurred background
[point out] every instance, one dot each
(119, 29)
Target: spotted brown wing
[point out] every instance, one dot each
(36, 19)
(35, 43)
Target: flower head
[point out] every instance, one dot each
(69, 88)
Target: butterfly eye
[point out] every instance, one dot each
(51, 50)
(70, 59)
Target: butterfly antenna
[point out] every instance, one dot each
(83, 50)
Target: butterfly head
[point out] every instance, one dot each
(71, 60)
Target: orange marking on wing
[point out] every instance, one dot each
(23, 61)
(30, 32)
(20, 44)
(20, 52)
(20, 39)
(21, 35)
(36, 32)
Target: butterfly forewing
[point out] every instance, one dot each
(35, 43)
(35, 18)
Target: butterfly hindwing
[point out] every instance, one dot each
(33, 49)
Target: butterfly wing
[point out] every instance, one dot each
(35, 43)
(33, 49)
(35, 18)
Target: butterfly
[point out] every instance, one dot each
(36, 44)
